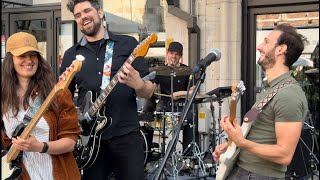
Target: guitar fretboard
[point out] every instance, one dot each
(105, 92)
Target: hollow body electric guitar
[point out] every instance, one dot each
(94, 123)
(228, 159)
(9, 165)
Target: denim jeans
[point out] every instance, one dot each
(239, 173)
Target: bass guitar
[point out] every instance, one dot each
(9, 165)
(87, 147)
(228, 159)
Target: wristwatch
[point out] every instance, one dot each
(45, 147)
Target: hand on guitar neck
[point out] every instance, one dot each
(233, 129)
(227, 153)
(229, 124)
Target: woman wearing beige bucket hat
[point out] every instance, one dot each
(27, 79)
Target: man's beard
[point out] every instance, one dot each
(92, 32)
(268, 61)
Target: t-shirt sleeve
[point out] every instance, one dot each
(290, 105)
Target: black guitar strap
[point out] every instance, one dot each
(256, 109)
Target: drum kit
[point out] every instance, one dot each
(153, 116)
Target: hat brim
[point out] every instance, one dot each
(20, 51)
(175, 50)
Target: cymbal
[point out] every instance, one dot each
(312, 71)
(167, 70)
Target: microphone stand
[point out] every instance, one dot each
(175, 137)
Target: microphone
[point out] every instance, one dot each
(214, 55)
(150, 76)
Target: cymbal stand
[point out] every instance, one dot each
(220, 101)
(212, 144)
(175, 137)
(196, 154)
(163, 136)
(172, 75)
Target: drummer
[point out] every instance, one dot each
(179, 88)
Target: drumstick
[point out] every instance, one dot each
(165, 95)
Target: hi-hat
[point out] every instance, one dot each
(167, 70)
(313, 74)
(312, 71)
(303, 62)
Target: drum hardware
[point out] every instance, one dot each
(168, 118)
(196, 157)
(175, 136)
(198, 96)
(312, 71)
(220, 93)
(305, 164)
(145, 147)
(313, 75)
(146, 107)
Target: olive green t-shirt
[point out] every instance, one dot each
(288, 105)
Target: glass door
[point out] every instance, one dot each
(38, 24)
(307, 24)
(261, 17)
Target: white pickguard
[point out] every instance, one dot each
(228, 159)
(6, 172)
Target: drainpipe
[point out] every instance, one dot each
(193, 31)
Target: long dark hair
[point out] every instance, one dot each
(43, 80)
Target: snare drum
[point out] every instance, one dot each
(145, 147)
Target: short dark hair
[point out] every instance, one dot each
(72, 3)
(295, 42)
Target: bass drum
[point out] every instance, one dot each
(145, 147)
(146, 108)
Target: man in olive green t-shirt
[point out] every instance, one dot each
(274, 134)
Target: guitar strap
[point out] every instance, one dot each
(256, 109)
(32, 110)
(107, 64)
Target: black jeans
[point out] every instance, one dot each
(122, 156)
(239, 173)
